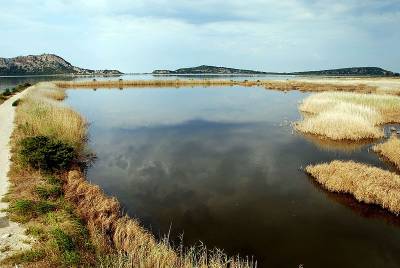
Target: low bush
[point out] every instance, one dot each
(42, 152)
(7, 92)
(16, 102)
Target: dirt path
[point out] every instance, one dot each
(12, 237)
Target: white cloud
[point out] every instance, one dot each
(143, 35)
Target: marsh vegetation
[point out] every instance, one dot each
(367, 184)
(348, 115)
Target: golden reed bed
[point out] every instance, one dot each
(348, 115)
(367, 184)
(390, 150)
(284, 85)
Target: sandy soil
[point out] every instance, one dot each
(12, 237)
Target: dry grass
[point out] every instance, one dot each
(390, 150)
(366, 183)
(277, 85)
(317, 87)
(138, 247)
(347, 115)
(42, 114)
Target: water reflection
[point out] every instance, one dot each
(214, 164)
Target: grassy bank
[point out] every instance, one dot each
(390, 150)
(269, 84)
(73, 221)
(36, 193)
(347, 115)
(9, 92)
(366, 183)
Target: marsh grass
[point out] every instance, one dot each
(74, 223)
(390, 150)
(367, 184)
(348, 115)
(42, 115)
(268, 84)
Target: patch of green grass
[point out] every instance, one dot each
(63, 240)
(48, 191)
(25, 256)
(35, 230)
(22, 206)
(71, 258)
(28, 207)
(43, 207)
(32, 255)
(53, 180)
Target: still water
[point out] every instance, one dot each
(224, 167)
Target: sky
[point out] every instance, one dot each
(265, 35)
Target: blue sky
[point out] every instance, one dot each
(142, 35)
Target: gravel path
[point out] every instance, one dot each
(12, 237)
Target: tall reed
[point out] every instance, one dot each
(348, 115)
(368, 184)
(283, 85)
(390, 150)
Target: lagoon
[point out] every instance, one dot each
(223, 166)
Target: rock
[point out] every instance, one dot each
(4, 222)
(6, 236)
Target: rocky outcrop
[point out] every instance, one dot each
(206, 69)
(45, 64)
(353, 71)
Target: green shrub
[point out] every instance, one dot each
(64, 241)
(42, 152)
(16, 102)
(6, 92)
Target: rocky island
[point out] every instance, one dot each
(45, 64)
(206, 69)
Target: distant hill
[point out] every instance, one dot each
(206, 69)
(45, 64)
(354, 71)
